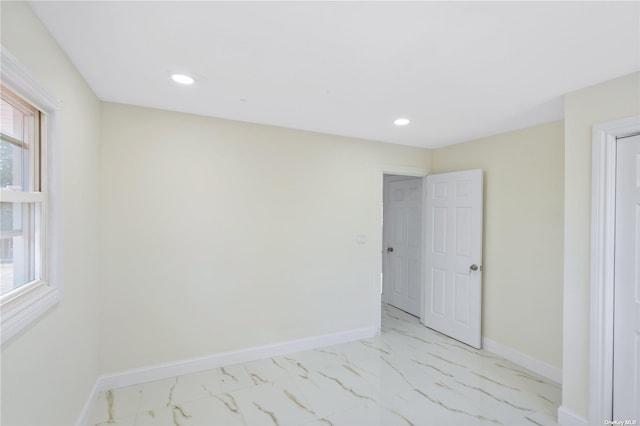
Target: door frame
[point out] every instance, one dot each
(389, 170)
(603, 206)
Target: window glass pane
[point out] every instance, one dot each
(12, 122)
(10, 217)
(14, 147)
(14, 166)
(19, 245)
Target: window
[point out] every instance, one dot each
(22, 210)
(27, 115)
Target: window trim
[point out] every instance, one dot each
(29, 303)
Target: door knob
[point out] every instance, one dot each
(390, 249)
(473, 267)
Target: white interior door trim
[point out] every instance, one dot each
(603, 191)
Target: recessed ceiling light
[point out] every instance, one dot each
(182, 79)
(401, 121)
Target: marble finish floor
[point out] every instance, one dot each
(409, 375)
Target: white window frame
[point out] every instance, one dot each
(26, 304)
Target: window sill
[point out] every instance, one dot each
(19, 312)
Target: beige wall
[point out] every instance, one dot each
(523, 222)
(613, 100)
(221, 235)
(49, 369)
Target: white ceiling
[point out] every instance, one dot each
(458, 70)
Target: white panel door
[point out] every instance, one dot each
(626, 335)
(453, 255)
(403, 245)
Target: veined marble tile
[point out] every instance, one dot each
(268, 404)
(391, 374)
(401, 340)
(204, 411)
(266, 371)
(162, 416)
(510, 395)
(303, 363)
(546, 417)
(235, 377)
(116, 404)
(431, 367)
(360, 350)
(352, 380)
(440, 359)
(365, 415)
(391, 313)
(158, 394)
(122, 421)
(330, 391)
(195, 386)
(541, 418)
(458, 346)
(520, 376)
(406, 329)
(419, 407)
(505, 372)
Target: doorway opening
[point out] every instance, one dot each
(402, 243)
(432, 250)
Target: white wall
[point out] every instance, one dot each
(612, 100)
(523, 239)
(49, 369)
(220, 235)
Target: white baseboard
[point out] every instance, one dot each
(566, 417)
(193, 365)
(88, 405)
(542, 368)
